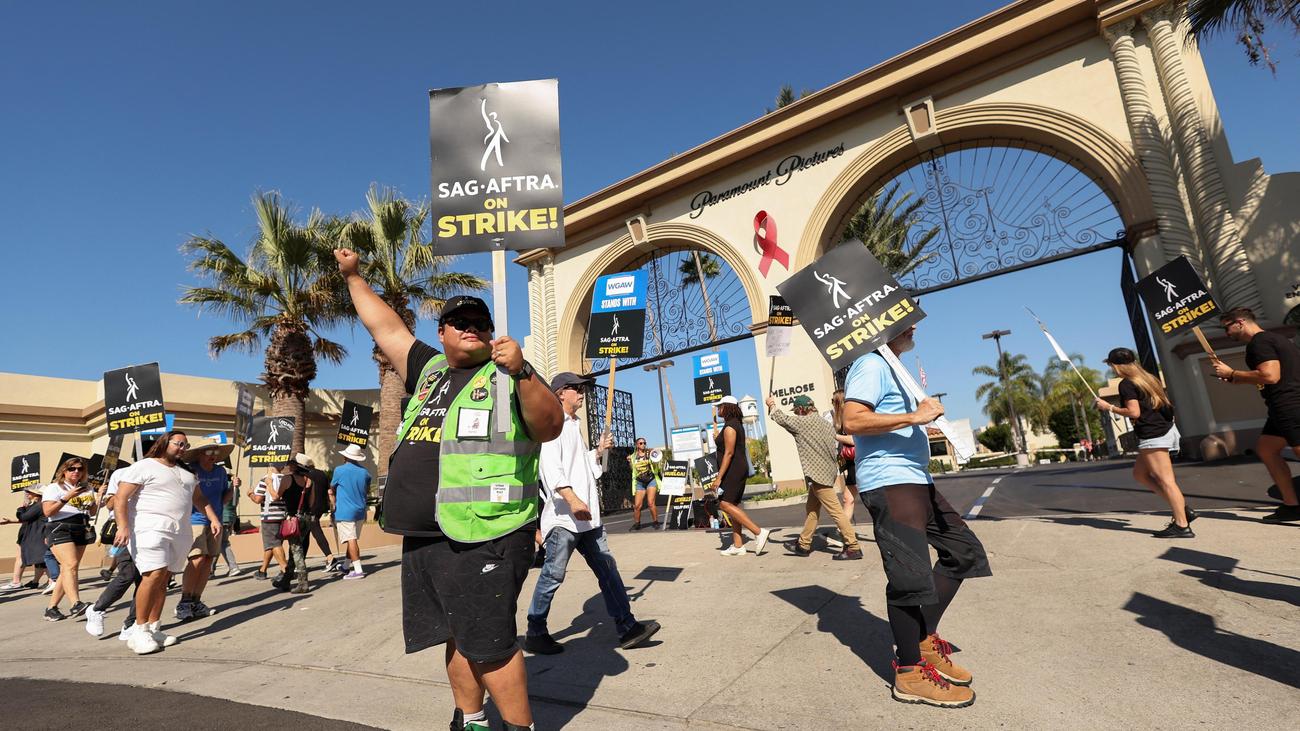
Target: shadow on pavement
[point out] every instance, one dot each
(562, 685)
(844, 617)
(1119, 524)
(67, 705)
(1196, 632)
(1217, 571)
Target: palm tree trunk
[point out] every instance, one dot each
(295, 407)
(704, 292)
(391, 390)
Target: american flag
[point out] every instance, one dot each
(919, 369)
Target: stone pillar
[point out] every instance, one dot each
(1220, 237)
(1176, 235)
(543, 350)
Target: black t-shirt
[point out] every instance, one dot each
(319, 502)
(1282, 397)
(291, 496)
(1151, 422)
(409, 497)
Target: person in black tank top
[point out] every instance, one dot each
(1144, 400)
(733, 470)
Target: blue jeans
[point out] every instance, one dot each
(560, 544)
(51, 564)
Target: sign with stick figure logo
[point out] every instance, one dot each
(25, 472)
(712, 377)
(617, 328)
(133, 399)
(1177, 298)
(354, 424)
(271, 440)
(496, 167)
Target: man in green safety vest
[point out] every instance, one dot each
(463, 494)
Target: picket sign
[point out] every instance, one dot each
(964, 449)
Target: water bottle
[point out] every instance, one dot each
(114, 551)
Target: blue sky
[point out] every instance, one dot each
(130, 126)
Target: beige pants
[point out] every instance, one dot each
(823, 496)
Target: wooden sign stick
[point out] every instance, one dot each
(609, 409)
(1205, 344)
(771, 376)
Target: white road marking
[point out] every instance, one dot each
(979, 504)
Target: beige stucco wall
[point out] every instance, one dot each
(57, 415)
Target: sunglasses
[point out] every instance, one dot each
(75, 469)
(640, 444)
(182, 445)
(464, 324)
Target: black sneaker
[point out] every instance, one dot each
(542, 645)
(53, 615)
(847, 555)
(637, 526)
(1283, 514)
(638, 635)
(1275, 493)
(1173, 530)
(259, 575)
(1191, 515)
(796, 550)
(78, 609)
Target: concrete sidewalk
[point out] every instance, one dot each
(1086, 624)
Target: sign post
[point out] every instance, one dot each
(850, 305)
(1178, 300)
(495, 161)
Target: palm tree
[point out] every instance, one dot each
(785, 97)
(285, 292)
(883, 224)
(695, 271)
(1014, 382)
(1244, 18)
(1062, 387)
(399, 262)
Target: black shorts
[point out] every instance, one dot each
(908, 520)
(465, 592)
(70, 530)
(1285, 426)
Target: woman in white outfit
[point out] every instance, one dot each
(153, 507)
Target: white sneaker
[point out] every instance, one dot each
(126, 632)
(734, 551)
(162, 638)
(142, 643)
(94, 622)
(49, 588)
(761, 542)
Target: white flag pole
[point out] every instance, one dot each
(501, 320)
(964, 449)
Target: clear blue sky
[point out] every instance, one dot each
(129, 126)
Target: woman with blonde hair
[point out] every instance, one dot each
(1144, 401)
(68, 502)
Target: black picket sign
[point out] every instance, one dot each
(25, 471)
(711, 389)
(707, 468)
(133, 399)
(495, 152)
(849, 304)
(354, 424)
(1176, 297)
(271, 440)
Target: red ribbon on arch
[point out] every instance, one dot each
(765, 241)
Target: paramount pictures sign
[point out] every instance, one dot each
(133, 399)
(849, 304)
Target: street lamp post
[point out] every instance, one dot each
(1016, 434)
(658, 368)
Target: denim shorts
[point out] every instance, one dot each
(1168, 442)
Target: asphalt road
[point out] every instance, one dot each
(68, 706)
(1064, 492)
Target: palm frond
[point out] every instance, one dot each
(247, 341)
(235, 304)
(329, 350)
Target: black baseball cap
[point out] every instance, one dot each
(566, 379)
(465, 302)
(1121, 356)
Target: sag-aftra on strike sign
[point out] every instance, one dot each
(849, 304)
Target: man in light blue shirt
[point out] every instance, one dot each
(894, 483)
(349, 487)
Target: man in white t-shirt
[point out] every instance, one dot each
(153, 505)
(571, 521)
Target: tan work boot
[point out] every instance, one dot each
(923, 684)
(938, 653)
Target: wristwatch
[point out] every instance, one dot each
(525, 372)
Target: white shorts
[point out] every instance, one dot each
(348, 530)
(1169, 441)
(159, 542)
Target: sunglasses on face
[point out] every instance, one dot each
(75, 469)
(640, 444)
(464, 324)
(182, 445)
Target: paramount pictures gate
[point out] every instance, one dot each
(616, 483)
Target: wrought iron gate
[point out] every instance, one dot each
(616, 484)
